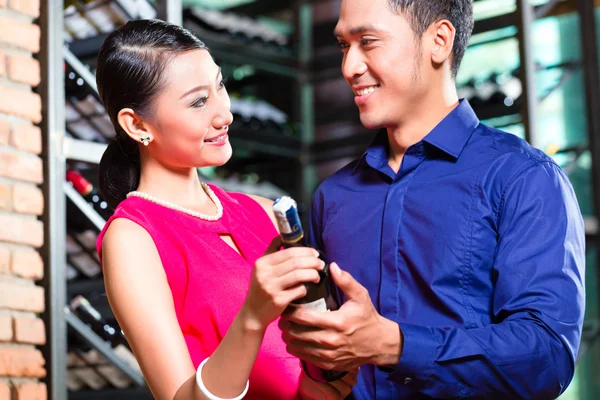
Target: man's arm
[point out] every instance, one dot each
(538, 303)
(538, 306)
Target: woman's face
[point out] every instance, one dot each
(191, 114)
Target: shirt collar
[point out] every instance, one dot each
(450, 136)
(453, 132)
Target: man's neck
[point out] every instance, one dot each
(422, 119)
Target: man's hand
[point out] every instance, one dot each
(336, 390)
(344, 339)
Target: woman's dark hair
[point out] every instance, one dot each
(130, 73)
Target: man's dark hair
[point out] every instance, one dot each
(422, 13)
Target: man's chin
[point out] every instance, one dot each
(371, 122)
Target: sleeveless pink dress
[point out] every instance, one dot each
(209, 280)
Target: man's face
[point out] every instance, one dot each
(382, 61)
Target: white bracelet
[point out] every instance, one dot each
(208, 394)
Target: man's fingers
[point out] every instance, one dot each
(317, 319)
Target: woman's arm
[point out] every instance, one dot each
(141, 300)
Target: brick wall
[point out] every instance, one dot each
(21, 203)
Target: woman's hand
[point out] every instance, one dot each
(278, 279)
(336, 390)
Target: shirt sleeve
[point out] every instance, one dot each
(530, 349)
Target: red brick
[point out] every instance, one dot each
(31, 391)
(4, 132)
(29, 330)
(21, 362)
(21, 297)
(4, 196)
(2, 63)
(22, 103)
(25, 167)
(27, 264)
(20, 34)
(21, 229)
(4, 260)
(24, 69)
(6, 328)
(27, 137)
(27, 7)
(27, 199)
(4, 386)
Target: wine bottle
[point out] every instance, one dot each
(88, 314)
(319, 296)
(88, 192)
(82, 308)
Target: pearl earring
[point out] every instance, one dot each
(145, 140)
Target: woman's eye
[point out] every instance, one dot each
(223, 83)
(200, 102)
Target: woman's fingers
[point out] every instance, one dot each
(281, 256)
(297, 276)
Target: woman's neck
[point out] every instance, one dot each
(178, 186)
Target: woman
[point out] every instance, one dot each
(183, 262)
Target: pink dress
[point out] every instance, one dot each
(209, 280)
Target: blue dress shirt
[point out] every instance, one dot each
(476, 248)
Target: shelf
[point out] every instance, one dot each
(103, 347)
(260, 7)
(83, 150)
(113, 394)
(85, 286)
(84, 207)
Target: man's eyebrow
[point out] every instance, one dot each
(359, 29)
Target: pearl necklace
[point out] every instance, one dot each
(193, 213)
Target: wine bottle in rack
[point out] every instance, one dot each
(90, 377)
(258, 115)
(105, 16)
(241, 29)
(114, 376)
(76, 24)
(82, 260)
(82, 308)
(87, 368)
(89, 193)
(320, 296)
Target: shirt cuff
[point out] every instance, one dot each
(419, 349)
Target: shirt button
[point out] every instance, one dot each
(407, 380)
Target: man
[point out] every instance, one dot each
(462, 246)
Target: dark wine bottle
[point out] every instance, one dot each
(319, 296)
(88, 314)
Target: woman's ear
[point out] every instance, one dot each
(134, 126)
